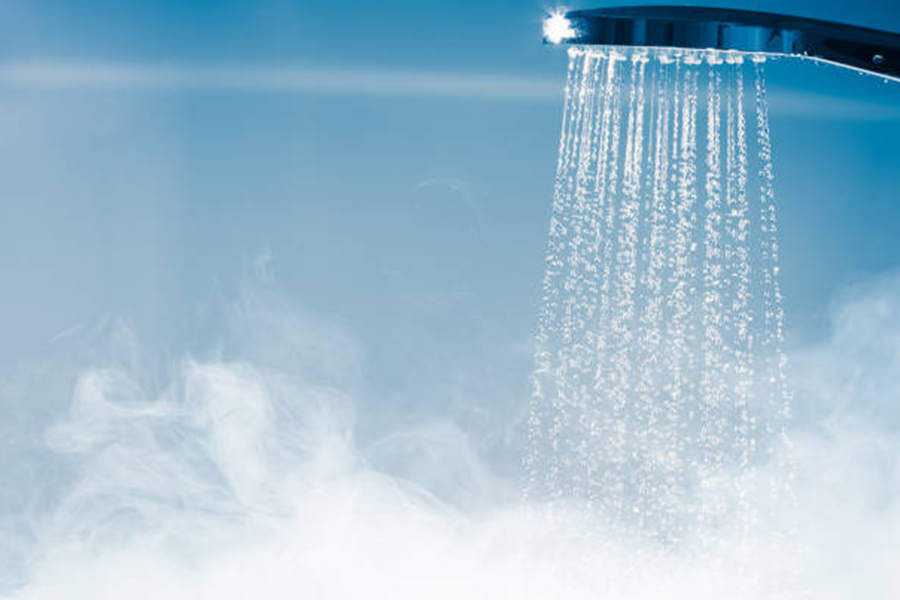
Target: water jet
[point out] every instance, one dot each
(660, 397)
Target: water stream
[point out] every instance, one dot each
(659, 395)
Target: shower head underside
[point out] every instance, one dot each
(682, 27)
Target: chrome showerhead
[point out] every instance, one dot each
(869, 50)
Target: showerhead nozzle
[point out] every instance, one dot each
(681, 27)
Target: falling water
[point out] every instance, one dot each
(659, 395)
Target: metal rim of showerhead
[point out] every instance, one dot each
(701, 28)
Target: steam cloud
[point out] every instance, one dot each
(239, 475)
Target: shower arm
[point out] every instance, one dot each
(868, 50)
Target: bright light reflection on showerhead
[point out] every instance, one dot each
(557, 28)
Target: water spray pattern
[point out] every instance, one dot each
(659, 383)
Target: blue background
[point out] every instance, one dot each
(416, 220)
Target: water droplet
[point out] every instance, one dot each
(658, 361)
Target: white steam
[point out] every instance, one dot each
(239, 475)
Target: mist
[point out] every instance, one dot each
(241, 471)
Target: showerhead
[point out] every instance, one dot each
(869, 50)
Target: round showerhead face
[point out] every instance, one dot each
(869, 50)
